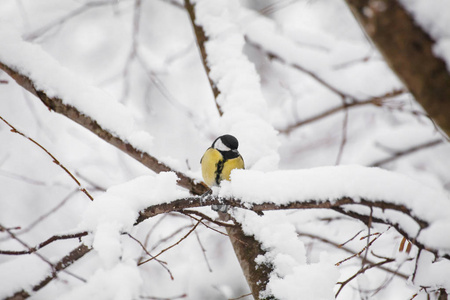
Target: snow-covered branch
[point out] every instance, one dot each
(343, 205)
(95, 125)
(201, 40)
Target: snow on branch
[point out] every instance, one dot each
(418, 212)
(65, 93)
(201, 40)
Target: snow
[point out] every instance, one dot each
(122, 282)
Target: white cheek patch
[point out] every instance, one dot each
(221, 146)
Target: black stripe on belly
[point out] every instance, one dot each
(219, 168)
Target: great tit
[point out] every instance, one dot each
(219, 160)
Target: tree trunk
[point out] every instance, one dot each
(407, 48)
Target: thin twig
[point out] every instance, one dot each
(358, 254)
(40, 245)
(344, 137)
(339, 246)
(171, 246)
(162, 263)
(163, 240)
(47, 214)
(369, 227)
(399, 154)
(203, 250)
(58, 22)
(53, 267)
(361, 271)
(80, 187)
(275, 56)
(351, 239)
(377, 101)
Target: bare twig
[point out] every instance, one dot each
(377, 101)
(275, 56)
(58, 22)
(339, 246)
(203, 250)
(361, 271)
(171, 246)
(54, 268)
(399, 154)
(369, 227)
(344, 137)
(80, 187)
(351, 239)
(30, 249)
(162, 263)
(358, 254)
(133, 49)
(167, 238)
(40, 245)
(47, 214)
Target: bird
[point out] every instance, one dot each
(218, 162)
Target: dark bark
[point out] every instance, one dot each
(407, 48)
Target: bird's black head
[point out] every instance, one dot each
(226, 142)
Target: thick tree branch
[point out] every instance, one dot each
(340, 205)
(74, 114)
(408, 49)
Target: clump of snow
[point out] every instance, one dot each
(122, 282)
(291, 275)
(433, 273)
(117, 210)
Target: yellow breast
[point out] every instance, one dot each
(216, 169)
